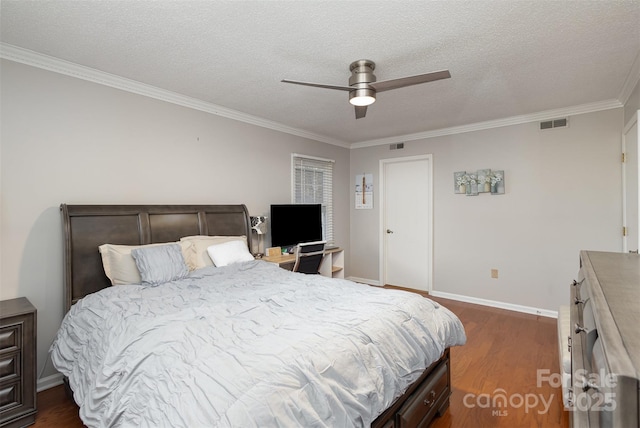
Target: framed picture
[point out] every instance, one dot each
(460, 181)
(481, 181)
(484, 180)
(364, 191)
(497, 182)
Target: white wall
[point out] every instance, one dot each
(65, 140)
(563, 194)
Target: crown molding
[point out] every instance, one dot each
(479, 126)
(46, 62)
(631, 81)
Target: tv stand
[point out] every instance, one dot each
(332, 266)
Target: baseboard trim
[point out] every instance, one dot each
(474, 300)
(365, 281)
(496, 304)
(49, 382)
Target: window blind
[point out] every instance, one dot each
(312, 183)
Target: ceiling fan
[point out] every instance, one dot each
(363, 85)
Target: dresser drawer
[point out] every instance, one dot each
(420, 409)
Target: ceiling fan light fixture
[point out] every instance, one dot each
(363, 84)
(362, 97)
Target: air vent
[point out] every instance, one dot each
(396, 146)
(555, 123)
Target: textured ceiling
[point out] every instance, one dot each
(506, 58)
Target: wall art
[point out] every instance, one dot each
(481, 181)
(364, 191)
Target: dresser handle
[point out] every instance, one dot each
(578, 301)
(574, 283)
(428, 402)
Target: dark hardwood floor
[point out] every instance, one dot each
(508, 354)
(503, 354)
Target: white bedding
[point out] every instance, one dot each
(247, 345)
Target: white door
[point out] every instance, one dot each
(631, 178)
(406, 213)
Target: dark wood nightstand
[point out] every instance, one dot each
(17, 363)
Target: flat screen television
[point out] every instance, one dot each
(292, 224)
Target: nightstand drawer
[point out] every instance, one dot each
(9, 396)
(10, 338)
(18, 324)
(9, 366)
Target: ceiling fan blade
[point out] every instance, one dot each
(386, 85)
(361, 111)
(319, 85)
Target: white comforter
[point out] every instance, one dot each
(247, 345)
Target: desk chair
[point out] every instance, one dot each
(309, 256)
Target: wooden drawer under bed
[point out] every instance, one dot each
(423, 401)
(423, 405)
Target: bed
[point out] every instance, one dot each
(238, 342)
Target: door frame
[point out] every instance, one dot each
(633, 121)
(382, 274)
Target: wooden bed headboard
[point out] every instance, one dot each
(88, 226)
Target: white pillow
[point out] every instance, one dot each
(200, 244)
(229, 252)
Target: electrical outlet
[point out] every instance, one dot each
(494, 273)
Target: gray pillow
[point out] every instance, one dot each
(160, 264)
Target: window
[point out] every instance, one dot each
(312, 183)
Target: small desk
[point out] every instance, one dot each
(332, 265)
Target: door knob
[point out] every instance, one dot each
(389, 231)
(579, 328)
